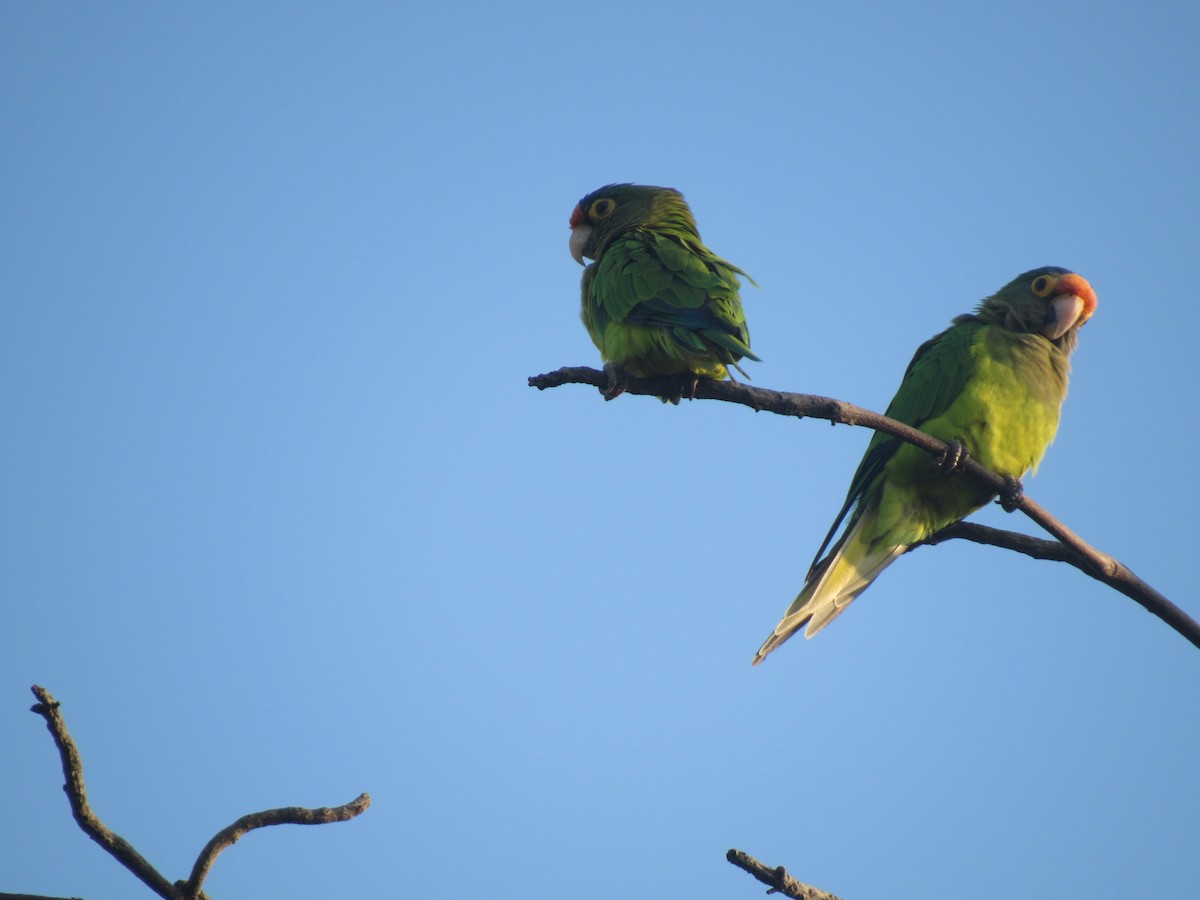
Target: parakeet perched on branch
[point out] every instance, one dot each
(991, 385)
(656, 301)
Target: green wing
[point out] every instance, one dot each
(655, 278)
(932, 382)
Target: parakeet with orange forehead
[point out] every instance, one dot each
(992, 385)
(656, 301)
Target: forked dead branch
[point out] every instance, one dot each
(121, 850)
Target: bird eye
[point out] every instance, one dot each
(1043, 285)
(602, 208)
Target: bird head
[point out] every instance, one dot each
(608, 212)
(1050, 301)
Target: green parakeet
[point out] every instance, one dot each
(656, 301)
(991, 385)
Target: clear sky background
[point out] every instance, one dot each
(282, 521)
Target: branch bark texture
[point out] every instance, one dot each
(1068, 546)
(778, 879)
(119, 848)
(287, 815)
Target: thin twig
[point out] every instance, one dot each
(1074, 549)
(288, 815)
(778, 879)
(48, 708)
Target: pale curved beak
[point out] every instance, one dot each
(580, 234)
(1065, 310)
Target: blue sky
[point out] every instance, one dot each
(282, 521)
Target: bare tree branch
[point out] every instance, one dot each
(778, 878)
(287, 815)
(1072, 548)
(1038, 548)
(48, 708)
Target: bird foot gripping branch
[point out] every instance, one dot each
(952, 459)
(618, 380)
(1012, 495)
(684, 385)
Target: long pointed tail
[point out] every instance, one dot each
(841, 576)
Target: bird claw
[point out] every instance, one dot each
(952, 459)
(1012, 495)
(618, 378)
(685, 387)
